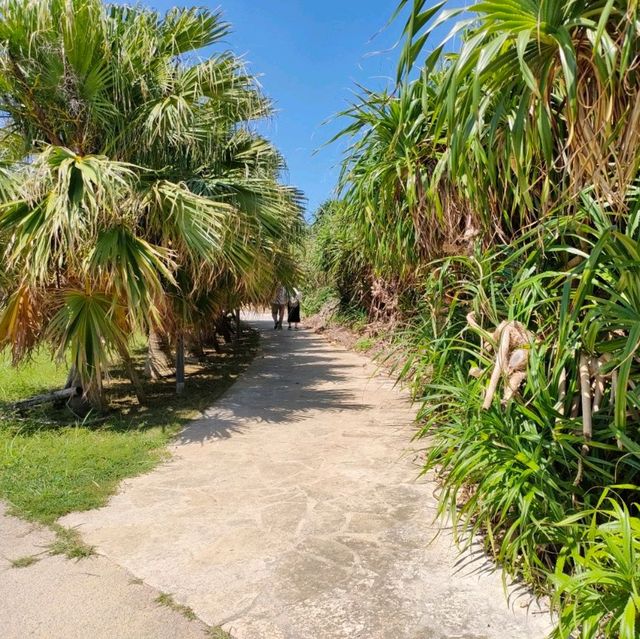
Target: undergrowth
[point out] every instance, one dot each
(556, 504)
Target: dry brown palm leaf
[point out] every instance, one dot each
(21, 321)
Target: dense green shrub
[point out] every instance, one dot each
(489, 211)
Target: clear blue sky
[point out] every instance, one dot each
(309, 54)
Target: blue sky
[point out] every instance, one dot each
(309, 54)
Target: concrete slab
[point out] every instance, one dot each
(56, 598)
(293, 510)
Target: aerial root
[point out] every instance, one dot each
(511, 342)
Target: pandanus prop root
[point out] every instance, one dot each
(592, 383)
(592, 386)
(511, 342)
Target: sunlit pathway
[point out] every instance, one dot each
(293, 510)
(59, 598)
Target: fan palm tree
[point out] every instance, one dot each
(139, 183)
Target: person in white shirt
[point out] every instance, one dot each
(278, 304)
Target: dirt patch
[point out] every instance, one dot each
(372, 340)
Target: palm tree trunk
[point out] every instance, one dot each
(180, 363)
(195, 347)
(158, 364)
(73, 379)
(215, 342)
(85, 399)
(222, 327)
(94, 394)
(238, 331)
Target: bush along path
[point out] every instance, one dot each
(293, 510)
(488, 218)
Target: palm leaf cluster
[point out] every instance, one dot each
(495, 192)
(135, 192)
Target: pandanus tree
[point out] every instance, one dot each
(538, 112)
(540, 101)
(133, 186)
(394, 157)
(540, 107)
(512, 157)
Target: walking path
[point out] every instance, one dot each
(293, 511)
(56, 598)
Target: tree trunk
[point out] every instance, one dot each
(94, 394)
(216, 343)
(238, 327)
(158, 363)
(180, 363)
(73, 380)
(83, 400)
(195, 348)
(54, 397)
(133, 377)
(223, 328)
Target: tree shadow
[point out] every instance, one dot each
(291, 378)
(473, 560)
(206, 381)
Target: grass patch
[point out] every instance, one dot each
(52, 464)
(24, 562)
(49, 473)
(364, 344)
(213, 632)
(37, 376)
(69, 543)
(351, 317)
(165, 599)
(218, 633)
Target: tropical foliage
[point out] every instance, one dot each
(136, 195)
(490, 201)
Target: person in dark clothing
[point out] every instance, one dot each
(293, 307)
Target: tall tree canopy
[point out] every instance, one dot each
(135, 194)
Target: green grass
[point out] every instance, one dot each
(69, 543)
(37, 376)
(364, 344)
(352, 317)
(49, 473)
(218, 633)
(51, 465)
(165, 599)
(24, 562)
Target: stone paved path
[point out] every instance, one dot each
(56, 598)
(293, 511)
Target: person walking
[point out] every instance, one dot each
(278, 303)
(293, 306)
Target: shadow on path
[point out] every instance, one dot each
(292, 511)
(291, 378)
